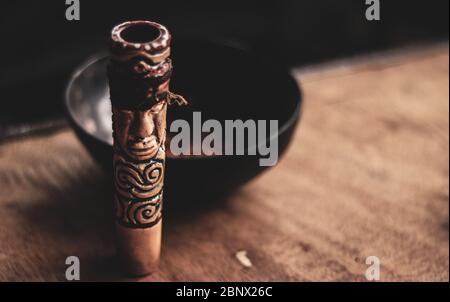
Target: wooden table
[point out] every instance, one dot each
(367, 174)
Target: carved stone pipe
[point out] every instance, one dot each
(139, 73)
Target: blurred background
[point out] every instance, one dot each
(40, 48)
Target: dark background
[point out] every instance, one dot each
(39, 48)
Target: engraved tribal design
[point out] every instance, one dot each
(139, 213)
(138, 164)
(132, 182)
(139, 191)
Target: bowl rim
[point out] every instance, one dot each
(93, 59)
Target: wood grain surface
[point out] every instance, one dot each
(367, 173)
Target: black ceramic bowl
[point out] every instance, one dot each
(221, 81)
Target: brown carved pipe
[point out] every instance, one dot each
(139, 74)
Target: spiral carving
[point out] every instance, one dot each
(139, 213)
(138, 191)
(135, 182)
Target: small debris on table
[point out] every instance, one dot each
(243, 259)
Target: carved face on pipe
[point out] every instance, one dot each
(140, 133)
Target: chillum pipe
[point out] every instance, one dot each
(139, 72)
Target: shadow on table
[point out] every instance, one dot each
(79, 218)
